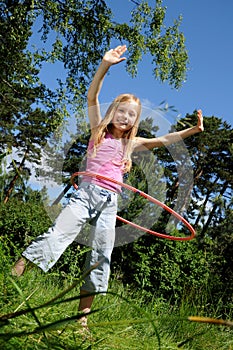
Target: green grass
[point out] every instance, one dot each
(121, 319)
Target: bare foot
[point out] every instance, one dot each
(19, 267)
(83, 320)
(84, 330)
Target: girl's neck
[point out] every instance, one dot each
(117, 134)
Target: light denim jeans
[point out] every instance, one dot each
(90, 203)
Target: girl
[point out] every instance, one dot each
(112, 141)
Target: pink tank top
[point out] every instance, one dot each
(106, 162)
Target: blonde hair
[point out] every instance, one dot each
(104, 126)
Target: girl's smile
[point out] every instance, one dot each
(125, 116)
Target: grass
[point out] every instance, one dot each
(121, 319)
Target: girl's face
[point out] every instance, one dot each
(125, 116)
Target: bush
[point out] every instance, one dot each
(171, 270)
(20, 222)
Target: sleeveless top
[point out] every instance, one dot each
(107, 162)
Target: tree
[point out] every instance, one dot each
(82, 30)
(213, 177)
(24, 126)
(86, 29)
(211, 159)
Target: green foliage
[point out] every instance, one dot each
(20, 222)
(24, 125)
(148, 34)
(170, 269)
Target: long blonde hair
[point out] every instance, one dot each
(104, 126)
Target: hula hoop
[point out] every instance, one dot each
(145, 195)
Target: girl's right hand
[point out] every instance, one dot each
(200, 120)
(113, 56)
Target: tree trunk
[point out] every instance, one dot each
(17, 175)
(204, 204)
(215, 206)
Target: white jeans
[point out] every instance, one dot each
(91, 203)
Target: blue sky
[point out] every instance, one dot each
(207, 26)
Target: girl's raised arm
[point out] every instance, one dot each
(110, 58)
(168, 139)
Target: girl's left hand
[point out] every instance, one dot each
(200, 120)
